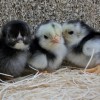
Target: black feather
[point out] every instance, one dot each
(83, 25)
(35, 46)
(90, 34)
(43, 23)
(78, 48)
(12, 60)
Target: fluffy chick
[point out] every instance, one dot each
(50, 49)
(81, 40)
(14, 46)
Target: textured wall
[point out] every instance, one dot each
(35, 11)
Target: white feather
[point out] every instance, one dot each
(21, 45)
(60, 51)
(19, 36)
(51, 30)
(90, 45)
(75, 38)
(48, 30)
(38, 60)
(80, 59)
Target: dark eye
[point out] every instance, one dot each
(70, 32)
(45, 37)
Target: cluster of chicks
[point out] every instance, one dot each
(50, 44)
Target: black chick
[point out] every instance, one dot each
(14, 45)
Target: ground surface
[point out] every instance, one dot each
(64, 84)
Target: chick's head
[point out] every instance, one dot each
(50, 35)
(74, 32)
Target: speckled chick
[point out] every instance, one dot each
(81, 40)
(50, 47)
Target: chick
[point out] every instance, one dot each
(14, 46)
(50, 49)
(81, 40)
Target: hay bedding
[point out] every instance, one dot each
(64, 84)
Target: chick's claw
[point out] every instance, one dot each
(44, 71)
(95, 70)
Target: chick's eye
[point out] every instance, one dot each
(70, 32)
(45, 37)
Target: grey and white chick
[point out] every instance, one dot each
(14, 46)
(81, 40)
(49, 45)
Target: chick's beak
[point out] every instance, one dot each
(56, 39)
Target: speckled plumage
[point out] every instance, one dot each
(48, 55)
(81, 40)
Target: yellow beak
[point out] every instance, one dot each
(56, 39)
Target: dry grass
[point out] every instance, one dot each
(60, 85)
(64, 84)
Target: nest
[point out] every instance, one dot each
(64, 84)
